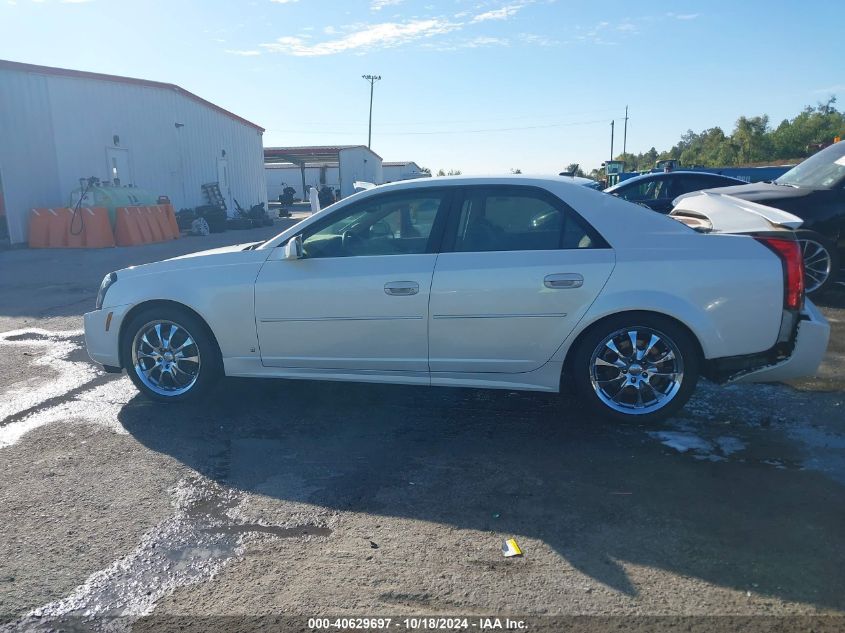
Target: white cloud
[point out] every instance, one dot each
(75, 1)
(683, 16)
(475, 42)
(378, 5)
(365, 38)
(483, 42)
(502, 13)
(537, 40)
(284, 1)
(831, 89)
(246, 53)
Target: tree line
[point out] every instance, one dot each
(754, 140)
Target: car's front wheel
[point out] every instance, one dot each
(641, 367)
(169, 354)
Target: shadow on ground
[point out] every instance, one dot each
(599, 493)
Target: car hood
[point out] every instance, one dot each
(223, 256)
(765, 192)
(234, 248)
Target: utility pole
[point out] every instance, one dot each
(612, 125)
(372, 79)
(625, 134)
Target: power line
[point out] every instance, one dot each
(476, 131)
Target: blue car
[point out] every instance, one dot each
(656, 191)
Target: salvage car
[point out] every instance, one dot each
(657, 191)
(814, 190)
(508, 283)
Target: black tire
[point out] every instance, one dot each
(651, 377)
(810, 242)
(209, 367)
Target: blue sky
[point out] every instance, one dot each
(477, 85)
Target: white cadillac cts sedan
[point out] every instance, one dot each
(507, 283)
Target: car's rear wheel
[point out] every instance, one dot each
(169, 354)
(641, 367)
(821, 262)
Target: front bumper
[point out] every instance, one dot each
(102, 342)
(807, 354)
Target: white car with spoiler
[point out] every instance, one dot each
(509, 282)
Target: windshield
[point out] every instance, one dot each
(824, 170)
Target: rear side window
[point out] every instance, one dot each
(513, 220)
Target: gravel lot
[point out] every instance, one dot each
(314, 499)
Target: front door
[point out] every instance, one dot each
(517, 272)
(358, 299)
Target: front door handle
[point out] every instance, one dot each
(563, 280)
(401, 288)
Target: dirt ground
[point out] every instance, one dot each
(304, 499)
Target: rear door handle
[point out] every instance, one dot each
(401, 288)
(560, 281)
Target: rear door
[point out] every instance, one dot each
(517, 271)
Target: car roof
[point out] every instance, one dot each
(493, 179)
(663, 174)
(611, 216)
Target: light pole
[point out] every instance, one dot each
(612, 125)
(372, 79)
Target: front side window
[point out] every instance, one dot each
(389, 224)
(515, 221)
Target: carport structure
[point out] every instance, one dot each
(355, 162)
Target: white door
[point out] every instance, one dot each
(223, 183)
(358, 299)
(522, 270)
(118, 166)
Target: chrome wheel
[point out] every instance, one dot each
(818, 264)
(166, 358)
(636, 370)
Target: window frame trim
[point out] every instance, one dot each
(450, 233)
(435, 238)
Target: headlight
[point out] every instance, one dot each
(108, 280)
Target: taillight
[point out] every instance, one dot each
(789, 252)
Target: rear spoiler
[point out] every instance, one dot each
(711, 212)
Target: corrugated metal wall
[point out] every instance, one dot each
(358, 163)
(56, 130)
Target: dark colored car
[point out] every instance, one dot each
(656, 191)
(814, 191)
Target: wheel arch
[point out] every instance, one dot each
(568, 359)
(152, 303)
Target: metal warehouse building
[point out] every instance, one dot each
(57, 126)
(337, 166)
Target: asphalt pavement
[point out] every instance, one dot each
(296, 498)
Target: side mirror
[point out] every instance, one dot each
(293, 248)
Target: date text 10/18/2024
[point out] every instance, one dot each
(417, 624)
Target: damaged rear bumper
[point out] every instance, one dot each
(800, 358)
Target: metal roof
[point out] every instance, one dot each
(82, 74)
(308, 154)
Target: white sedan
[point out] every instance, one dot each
(508, 283)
